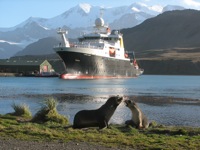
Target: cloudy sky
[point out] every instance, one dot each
(13, 12)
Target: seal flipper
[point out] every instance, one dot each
(103, 124)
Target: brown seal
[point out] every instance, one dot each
(99, 117)
(138, 120)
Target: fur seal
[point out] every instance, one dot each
(99, 117)
(138, 120)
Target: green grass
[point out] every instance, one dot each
(21, 110)
(49, 113)
(156, 137)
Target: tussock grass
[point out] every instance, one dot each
(21, 110)
(48, 112)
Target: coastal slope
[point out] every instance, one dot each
(168, 43)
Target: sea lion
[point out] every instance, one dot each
(138, 120)
(99, 117)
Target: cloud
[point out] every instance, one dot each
(192, 3)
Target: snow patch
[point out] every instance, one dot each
(12, 43)
(86, 7)
(44, 27)
(172, 7)
(142, 4)
(156, 8)
(151, 10)
(135, 9)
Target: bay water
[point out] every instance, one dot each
(76, 95)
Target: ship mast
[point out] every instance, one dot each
(62, 33)
(101, 12)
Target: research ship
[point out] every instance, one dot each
(96, 55)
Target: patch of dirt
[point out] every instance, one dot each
(13, 144)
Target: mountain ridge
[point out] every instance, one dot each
(110, 14)
(167, 30)
(167, 36)
(76, 20)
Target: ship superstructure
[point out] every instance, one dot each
(99, 54)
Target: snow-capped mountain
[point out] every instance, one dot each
(78, 19)
(26, 34)
(84, 15)
(171, 8)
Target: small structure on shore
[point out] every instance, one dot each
(23, 67)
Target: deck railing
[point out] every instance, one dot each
(82, 45)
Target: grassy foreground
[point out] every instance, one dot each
(157, 137)
(48, 125)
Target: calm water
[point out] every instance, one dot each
(91, 94)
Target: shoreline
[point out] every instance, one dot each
(136, 98)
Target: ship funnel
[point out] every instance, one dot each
(62, 33)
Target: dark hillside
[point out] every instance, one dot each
(41, 47)
(171, 29)
(168, 43)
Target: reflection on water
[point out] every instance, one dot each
(91, 94)
(177, 86)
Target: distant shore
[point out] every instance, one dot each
(4, 74)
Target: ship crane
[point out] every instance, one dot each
(62, 33)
